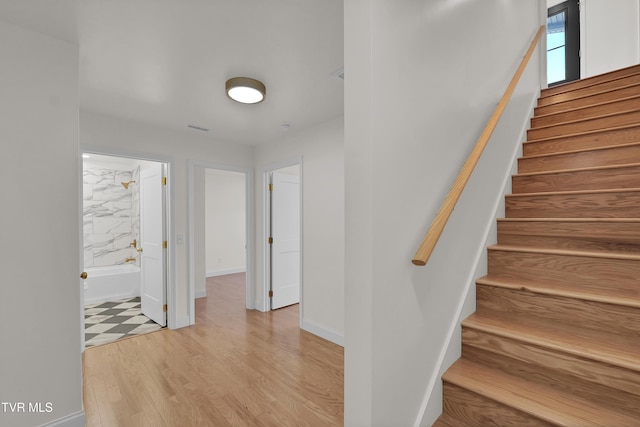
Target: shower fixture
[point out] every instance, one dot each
(126, 184)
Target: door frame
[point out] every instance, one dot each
(249, 229)
(574, 18)
(265, 171)
(170, 219)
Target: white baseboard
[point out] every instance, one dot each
(201, 293)
(227, 271)
(74, 420)
(326, 333)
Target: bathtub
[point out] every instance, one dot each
(111, 283)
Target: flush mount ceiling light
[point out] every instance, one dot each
(245, 90)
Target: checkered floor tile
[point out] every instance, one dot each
(111, 321)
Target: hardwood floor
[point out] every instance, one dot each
(233, 367)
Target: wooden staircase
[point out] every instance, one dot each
(555, 339)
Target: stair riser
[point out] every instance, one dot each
(598, 139)
(598, 179)
(585, 159)
(620, 237)
(473, 410)
(590, 205)
(579, 377)
(607, 77)
(590, 90)
(597, 274)
(587, 113)
(623, 119)
(573, 313)
(588, 101)
(571, 243)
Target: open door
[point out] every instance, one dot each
(152, 238)
(285, 243)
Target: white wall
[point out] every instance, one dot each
(609, 35)
(322, 149)
(225, 208)
(40, 263)
(429, 74)
(146, 140)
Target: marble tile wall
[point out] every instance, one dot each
(108, 216)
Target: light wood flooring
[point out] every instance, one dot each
(233, 367)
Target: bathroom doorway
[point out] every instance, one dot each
(124, 246)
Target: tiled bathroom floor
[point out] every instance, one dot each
(111, 321)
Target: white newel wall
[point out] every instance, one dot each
(422, 79)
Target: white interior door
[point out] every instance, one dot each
(285, 231)
(152, 237)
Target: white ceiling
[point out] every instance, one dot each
(166, 62)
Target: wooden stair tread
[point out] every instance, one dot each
(593, 89)
(582, 150)
(568, 252)
(539, 401)
(618, 296)
(606, 203)
(578, 177)
(612, 220)
(586, 119)
(611, 230)
(592, 168)
(588, 99)
(576, 192)
(585, 107)
(580, 157)
(590, 81)
(588, 132)
(581, 96)
(610, 349)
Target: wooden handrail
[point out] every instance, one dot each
(437, 226)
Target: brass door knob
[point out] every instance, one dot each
(84, 275)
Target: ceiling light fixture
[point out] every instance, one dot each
(245, 90)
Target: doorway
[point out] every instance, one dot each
(284, 228)
(225, 224)
(221, 230)
(563, 43)
(124, 246)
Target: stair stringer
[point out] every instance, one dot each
(431, 406)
